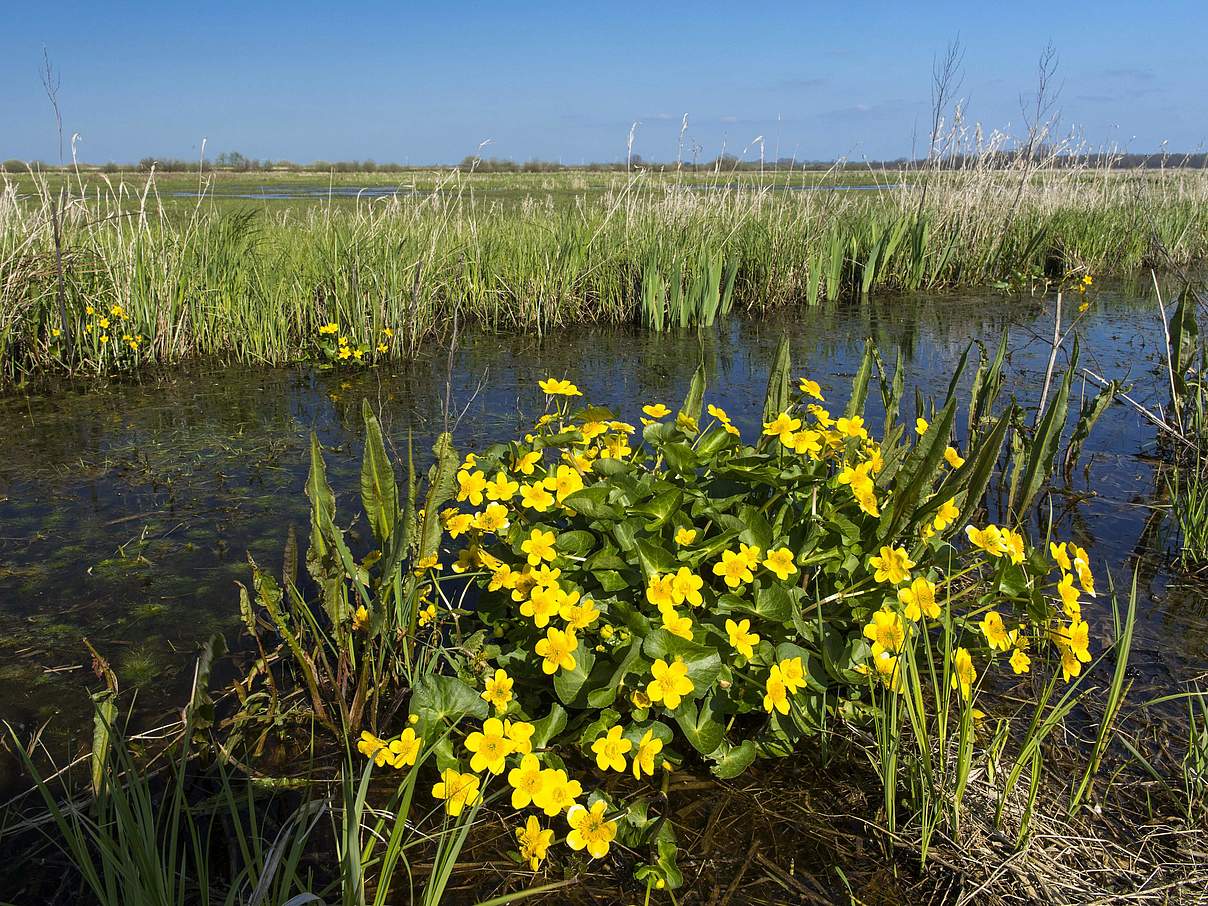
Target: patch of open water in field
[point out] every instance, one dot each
(127, 508)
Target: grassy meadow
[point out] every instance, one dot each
(101, 273)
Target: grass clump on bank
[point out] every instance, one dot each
(250, 286)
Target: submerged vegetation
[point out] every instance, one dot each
(505, 679)
(102, 278)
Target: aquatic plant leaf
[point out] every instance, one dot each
(1042, 451)
(436, 699)
(1088, 415)
(702, 726)
(1184, 332)
(859, 383)
(696, 395)
(777, 398)
(379, 490)
(735, 760)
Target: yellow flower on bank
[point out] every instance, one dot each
(373, 748)
(676, 623)
(360, 617)
(501, 487)
(649, 746)
(457, 790)
(534, 842)
(658, 410)
(498, 691)
(945, 515)
(811, 388)
(1060, 555)
(995, 632)
(557, 650)
(734, 567)
(670, 683)
(685, 536)
(471, 486)
(892, 565)
(520, 735)
(686, 586)
(590, 830)
(783, 426)
(889, 668)
(543, 605)
(558, 793)
(539, 546)
(989, 539)
(780, 561)
(963, 673)
(1069, 597)
(490, 747)
(776, 693)
(886, 630)
(920, 426)
(660, 591)
(527, 782)
(404, 751)
(527, 462)
(536, 497)
(1020, 662)
(792, 672)
(564, 482)
(578, 614)
(852, 427)
(742, 639)
(610, 750)
(953, 458)
(1014, 545)
(919, 599)
(554, 387)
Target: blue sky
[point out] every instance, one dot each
(423, 83)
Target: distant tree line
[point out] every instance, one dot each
(234, 162)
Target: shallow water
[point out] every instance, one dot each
(127, 508)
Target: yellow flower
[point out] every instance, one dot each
(661, 591)
(792, 673)
(1069, 596)
(427, 615)
(821, 416)
(578, 614)
(920, 426)
(457, 790)
(1059, 554)
(643, 757)
(1076, 639)
(89, 310)
(373, 748)
(852, 427)
(55, 332)
(658, 410)
(953, 458)
(471, 485)
(490, 747)
(995, 632)
(676, 624)
(989, 539)
(684, 536)
(686, 586)
(493, 519)
(557, 650)
(557, 793)
(328, 329)
(892, 566)
(945, 515)
(543, 605)
(776, 693)
(780, 561)
(1087, 280)
(520, 735)
(554, 387)
(527, 782)
(963, 673)
(806, 442)
(536, 497)
(539, 546)
(534, 842)
(388, 331)
(382, 347)
(404, 751)
(1082, 567)
(1014, 545)
(590, 830)
(1020, 662)
(360, 617)
(610, 750)
(564, 482)
(501, 487)
(734, 568)
(670, 683)
(103, 323)
(456, 523)
(527, 462)
(742, 639)
(811, 388)
(886, 630)
(783, 425)
(919, 599)
(498, 691)
(867, 499)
